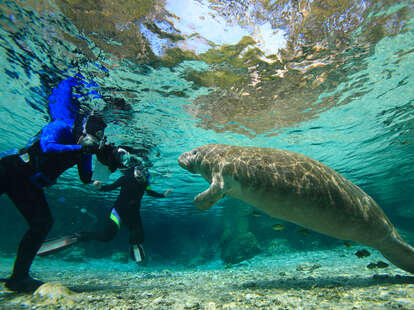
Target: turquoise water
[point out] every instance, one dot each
(331, 81)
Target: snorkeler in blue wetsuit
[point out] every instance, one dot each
(69, 139)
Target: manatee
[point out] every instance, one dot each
(298, 189)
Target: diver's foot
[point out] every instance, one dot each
(23, 285)
(81, 236)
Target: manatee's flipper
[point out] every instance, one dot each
(398, 252)
(209, 197)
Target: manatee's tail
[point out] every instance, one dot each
(398, 252)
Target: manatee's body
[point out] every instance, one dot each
(297, 189)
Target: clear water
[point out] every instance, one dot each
(332, 81)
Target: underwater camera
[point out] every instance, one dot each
(115, 157)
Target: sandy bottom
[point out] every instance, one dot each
(334, 279)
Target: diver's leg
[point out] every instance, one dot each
(136, 233)
(10, 168)
(31, 202)
(110, 229)
(136, 236)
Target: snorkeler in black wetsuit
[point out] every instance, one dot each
(134, 183)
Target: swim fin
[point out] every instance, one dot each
(137, 253)
(57, 244)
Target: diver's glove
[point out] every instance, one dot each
(136, 251)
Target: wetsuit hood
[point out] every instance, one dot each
(62, 105)
(94, 125)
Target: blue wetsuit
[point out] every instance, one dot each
(24, 173)
(58, 143)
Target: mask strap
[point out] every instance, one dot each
(84, 122)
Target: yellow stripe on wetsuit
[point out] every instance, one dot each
(115, 217)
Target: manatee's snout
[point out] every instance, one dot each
(187, 160)
(182, 160)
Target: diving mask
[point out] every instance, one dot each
(126, 159)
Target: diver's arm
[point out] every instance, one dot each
(52, 136)
(85, 168)
(110, 187)
(156, 194)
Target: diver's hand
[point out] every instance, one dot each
(167, 192)
(97, 184)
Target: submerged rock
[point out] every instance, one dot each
(307, 267)
(54, 293)
(237, 248)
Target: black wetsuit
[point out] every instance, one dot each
(126, 209)
(23, 176)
